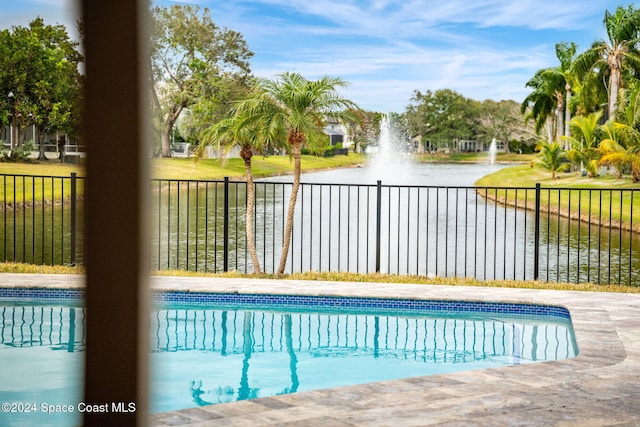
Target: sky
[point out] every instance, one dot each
(387, 49)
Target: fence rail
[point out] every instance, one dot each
(490, 233)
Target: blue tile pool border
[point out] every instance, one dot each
(306, 302)
(42, 293)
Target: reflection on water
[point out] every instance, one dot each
(210, 355)
(219, 356)
(41, 360)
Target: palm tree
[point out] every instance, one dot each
(552, 91)
(584, 142)
(542, 102)
(621, 144)
(629, 157)
(612, 149)
(231, 132)
(564, 80)
(629, 109)
(552, 157)
(622, 29)
(293, 109)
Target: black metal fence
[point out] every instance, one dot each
(41, 220)
(552, 234)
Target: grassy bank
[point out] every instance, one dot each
(474, 158)
(564, 195)
(185, 168)
(234, 168)
(174, 168)
(37, 183)
(351, 277)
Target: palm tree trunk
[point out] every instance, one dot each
(550, 125)
(288, 231)
(251, 202)
(614, 86)
(560, 114)
(567, 122)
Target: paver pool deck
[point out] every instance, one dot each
(599, 387)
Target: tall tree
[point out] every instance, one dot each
(40, 80)
(293, 111)
(363, 128)
(562, 79)
(443, 116)
(211, 109)
(191, 59)
(622, 29)
(500, 120)
(6, 84)
(542, 103)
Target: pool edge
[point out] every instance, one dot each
(600, 384)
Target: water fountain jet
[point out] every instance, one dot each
(391, 162)
(492, 151)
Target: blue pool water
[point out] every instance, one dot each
(216, 348)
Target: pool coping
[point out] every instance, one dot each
(598, 387)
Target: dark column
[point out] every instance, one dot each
(116, 211)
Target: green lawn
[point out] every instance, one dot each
(37, 181)
(234, 168)
(174, 168)
(567, 193)
(475, 157)
(40, 168)
(349, 277)
(185, 168)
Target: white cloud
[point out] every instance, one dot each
(389, 48)
(384, 77)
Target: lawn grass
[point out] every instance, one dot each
(349, 277)
(41, 168)
(23, 184)
(568, 196)
(474, 157)
(46, 190)
(214, 169)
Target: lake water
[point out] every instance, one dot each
(402, 173)
(452, 231)
(431, 221)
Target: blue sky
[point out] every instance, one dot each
(485, 49)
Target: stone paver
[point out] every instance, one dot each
(599, 387)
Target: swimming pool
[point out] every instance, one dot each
(216, 347)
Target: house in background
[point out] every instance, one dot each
(12, 138)
(337, 133)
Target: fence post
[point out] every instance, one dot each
(378, 223)
(536, 236)
(73, 217)
(225, 256)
